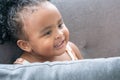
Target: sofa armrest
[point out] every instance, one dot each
(88, 69)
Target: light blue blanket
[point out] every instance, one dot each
(87, 69)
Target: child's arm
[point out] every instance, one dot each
(76, 50)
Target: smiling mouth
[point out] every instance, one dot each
(60, 45)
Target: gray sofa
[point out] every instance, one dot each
(88, 69)
(94, 27)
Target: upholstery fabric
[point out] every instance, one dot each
(87, 69)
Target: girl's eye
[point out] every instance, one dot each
(48, 33)
(60, 25)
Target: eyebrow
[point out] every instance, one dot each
(45, 29)
(60, 20)
(48, 27)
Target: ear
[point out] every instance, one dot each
(24, 45)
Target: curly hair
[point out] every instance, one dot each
(11, 25)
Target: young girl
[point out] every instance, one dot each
(38, 29)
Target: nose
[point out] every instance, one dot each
(59, 34)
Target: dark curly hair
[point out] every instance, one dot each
(11, 26)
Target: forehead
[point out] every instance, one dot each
(41, 11)
(30, 9)
(43, 7)
(43, 15)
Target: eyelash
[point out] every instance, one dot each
(60, 25)
(48, 33)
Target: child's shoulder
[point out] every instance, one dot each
(21, 61)
(75, 49)
(73, 46)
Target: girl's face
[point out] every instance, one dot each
(46, 31)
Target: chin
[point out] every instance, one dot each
(58, 53)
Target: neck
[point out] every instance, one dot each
(35, 58)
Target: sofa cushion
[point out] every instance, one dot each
(94, 25)
(89, 69)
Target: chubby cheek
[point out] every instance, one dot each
(45, 48)
(66, 33)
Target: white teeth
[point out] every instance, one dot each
(59, 44)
